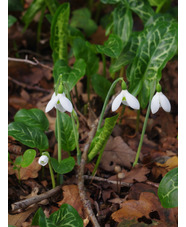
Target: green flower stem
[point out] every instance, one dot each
(142, 135)
(40, 23)
(76, 139)
(88, 87)
(106, 101)
(59, 177)
(52, 175)
(104, 64)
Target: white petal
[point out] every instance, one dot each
(59, 107)
(43, 160)
(155, 103)
(51, 103)
(117, 101)
(132, 100)
(164, 102)
(66, 104)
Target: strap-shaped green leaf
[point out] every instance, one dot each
(11, 20)
(59, 32)
(81, 18)
(65, 166)
(101, 137)
(35, 7)
(52, 5)
(122, 22)
(32, 117)
(168, 189)
(31, 137)
(112, 47)
(67, 134)
(156, 49)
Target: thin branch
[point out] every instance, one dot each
(28, 86)
(27, 202)
(124, 184)
(26, 60)
(82, 192)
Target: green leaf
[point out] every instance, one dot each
(100, 140)
(112, 47)
(15, 5)
(110, 1)
(32, 117)
(35, 7)
(81, 18)
(65, 166)
(66, 216)
(122, 22)
(141, 8)
(52, 5)
(11, 20)
(168, 189)
(67, 133)
(41, 220)
(101, 85)
(59, 32)
(82, 50)
(31, 137)
(156, 49)
(28, 157)
(18, 161)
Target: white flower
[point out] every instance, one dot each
(60, 102)
(127, 99)
(43, 160)
(160, 100)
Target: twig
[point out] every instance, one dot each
(28, 86)
(26, 60)
(82, 192)
(124, 184)
(27, 202)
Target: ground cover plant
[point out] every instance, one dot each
(93, 113)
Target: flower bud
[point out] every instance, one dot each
(43, 160)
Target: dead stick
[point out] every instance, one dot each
(82, 192)
(124, 184)
(27, 202)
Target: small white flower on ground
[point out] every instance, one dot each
(160, 100)
(43, 160)
(60, 102)
(127, 99)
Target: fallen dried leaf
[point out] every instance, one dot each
(117, 152)
(171, 163)
(148, 205)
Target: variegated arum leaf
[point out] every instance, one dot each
(29, 136)
(100, 85)
(34, 8)
(64, 166)
(81, 18)
(112, 47)
(122, 22)
(168, 189)
(59, 32)
(65, 216)
(101, 137)
(82, 50)
(32, 117)
(159, 46)
(70, 76)
(67, 133)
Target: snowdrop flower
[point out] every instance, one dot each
(160, 100)
(127, 99)
(60, 102)
(43, 160)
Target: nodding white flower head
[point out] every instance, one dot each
(60, 102)
(43, 160)
(160, 100)
(127, 99)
